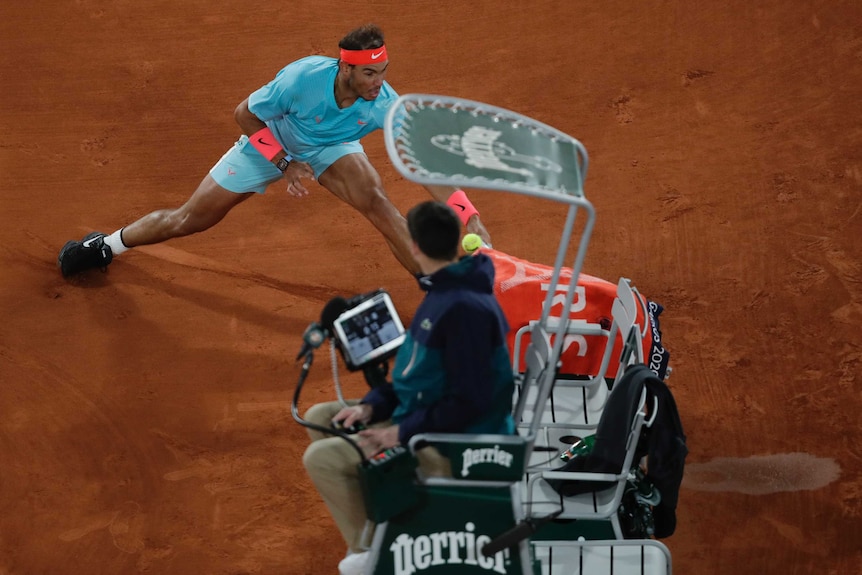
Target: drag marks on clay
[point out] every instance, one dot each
(843, 267)
(747, 404)
(848, 270)
(217, 478)
(56, 382)
(141, 75)
(248, 500)
(96, 423)
(621, 106)
(721, 351)
(851, 498)
(848, 367)
(674, 204)
(95, 524)
(95, 149)
(196, 461)
(784, 186)
(200, 468)
(183, 258)
(692, 76)
(766, 128)
(790, 532)
(93, 8)
(219, 472)
(759, 299)
(807, 276)
(125, 526)
(796, 537)
(762, 474)
(264, 406)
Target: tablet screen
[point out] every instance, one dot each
(370, 331)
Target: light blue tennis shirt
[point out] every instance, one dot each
(299, 107)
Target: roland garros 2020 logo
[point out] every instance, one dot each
(480, 149)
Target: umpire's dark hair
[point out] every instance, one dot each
(435, 228)
(365, 37)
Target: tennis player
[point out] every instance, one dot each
(305, 124)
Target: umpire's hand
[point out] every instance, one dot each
(373, 441)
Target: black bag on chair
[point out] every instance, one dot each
(666, 457)
(663, 442)
(609, 451)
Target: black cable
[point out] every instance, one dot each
(294, 409)
(522, 530)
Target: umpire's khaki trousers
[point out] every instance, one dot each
(332, 465)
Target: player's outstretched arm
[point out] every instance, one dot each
(457, 200)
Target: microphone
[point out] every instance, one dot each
(316, 333)
(333, 308)
(313, 337)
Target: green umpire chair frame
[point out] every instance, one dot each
(439, 140)
(491, 493)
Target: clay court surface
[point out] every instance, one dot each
(144, 412)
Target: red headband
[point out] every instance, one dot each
(364, 57)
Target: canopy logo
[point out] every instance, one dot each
(415, 554)
(495, 455)
(480, 148)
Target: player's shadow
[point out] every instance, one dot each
(237, 307)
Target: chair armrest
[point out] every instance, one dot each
(443, 438)
(479, 456)
(579, 476)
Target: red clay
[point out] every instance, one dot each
(144, 422)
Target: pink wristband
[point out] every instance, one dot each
(264, 142)
(459, 202)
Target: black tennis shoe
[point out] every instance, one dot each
(89, 253)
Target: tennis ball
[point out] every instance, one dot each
(471, 243)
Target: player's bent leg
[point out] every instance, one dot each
(354, 180)
(207, 206)
(240, 172)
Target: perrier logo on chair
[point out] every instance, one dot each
(454, 548)
(490, 455)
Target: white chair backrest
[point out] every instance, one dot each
(625, 314)
(537, 381)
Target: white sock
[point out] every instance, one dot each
(115, 242)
